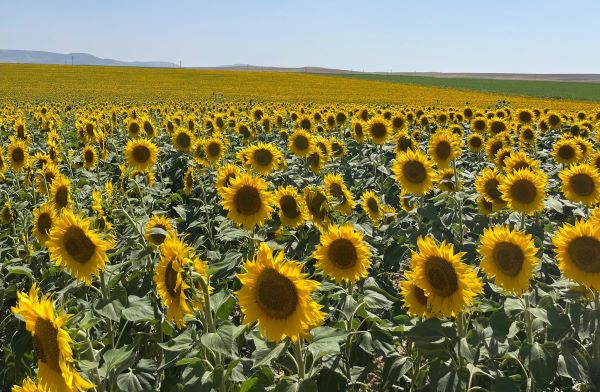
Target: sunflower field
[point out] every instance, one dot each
(293, 246)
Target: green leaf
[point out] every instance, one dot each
(139, 379)
(542, 360)
(263, 357)
(223, 341)
(139, 309)
(117, 359)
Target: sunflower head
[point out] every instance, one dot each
(415, 299)
(581, 183)
(524, 190)
(342, 254)
(276, 294)
(300, 143)
(372, 206)
(248, 201)
(157, 229)
(414, 172)
(292, 209)
(578, 252)
(141, 154)
(378, 129)
(509, 257)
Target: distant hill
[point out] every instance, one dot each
(39, 57)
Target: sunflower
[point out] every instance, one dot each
(566, 151)
(189, 180)
(484, 206)
(524, 190)
(300, 143)
(578, 252)
(89, 157)
(525, 116)
(495, 144)
(338, 191)
(317, 204)
(141, 154)
(487, 185)
(225, 174)
(581, 183)
(338, 148)
(60, 193)
(264, 158)
(44, 219)
(479, 124)
(358, 132)
(403, 142)
(378, 130)
(183, 140)
(443, 148)
(372, 206)
(316, 161)
(449, 284)
(305, 123)
(414, 172)
(169, 277)
(248, 201)
(133, 128)
(343, 254)
(76, 247)
(415, 300)
(527, 136)
(276, 294)
(6, 213)
(18, 155)
(476, 142)
(157, 229)
(214, 149)
(519, 160)
(508, 256)
(292, 210)
(52, 343)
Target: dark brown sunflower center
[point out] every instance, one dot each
(183, 140)
(528, 134)
(45, 343)
(301, 142)
(414, 171)
(289, 207)
(44, 223)
(305, 124)
(378, 130)
(479, 125)
(263, 157)
(442, 276)
(420, 295)
(243, 130)
(89, 129)
(214, 149)
(523, 191)
(61, 198)
(342, 253)
(18, 155)
(78, 245)
(475, 142)
(171, 280)
(316, 205)
(442, 150)
(582, 184)
(397, 122)
(148, 128)
(247, 200)
(404, 143)
(373, 205)
(491, 190)
(509, 258)
(314, 159)
(525, 117)
(89, 156)
(337, 148)
(134, 128)
(566, 152)
(276, 294)
(358, 130)
(521, 165)
(585, 253)
(141, 153)
(228, 178)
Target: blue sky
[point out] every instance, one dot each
(532, 36)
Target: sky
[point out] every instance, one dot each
(529, 36)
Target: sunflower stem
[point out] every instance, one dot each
(528, 320)
(299, 357)
(460, 331)
(458, 204)
(106, 295)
